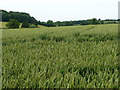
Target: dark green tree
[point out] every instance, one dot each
(50, 23)
(33, 26)
(20, 16)
(99, 21)
(25, 25)
(94, 21)
(102, 22)
(58, 23)
(13, 23)
(5, 15)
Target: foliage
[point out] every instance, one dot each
(20, 16)
(13, 23)
(93, 21)
(25, 24)
(33, 26)
(50, 23)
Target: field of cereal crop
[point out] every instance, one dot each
(61, 57)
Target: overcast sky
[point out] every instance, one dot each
(62, 10)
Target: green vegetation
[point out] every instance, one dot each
(50, 23)
(20, 16)
(3, 25)
(23, 17)
(93, 21)
(33, 26)
(25, 25)
(13, 23)
(61, 57)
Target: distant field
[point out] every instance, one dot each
(3, 24)
(106, 22)
(61, 57)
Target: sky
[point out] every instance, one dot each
(64, 10)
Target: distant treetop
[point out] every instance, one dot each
(20, 16)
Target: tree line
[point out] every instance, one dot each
(20, 16)
(50, 23)
(93, 21)
(15, 18)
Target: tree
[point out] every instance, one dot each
(94, 21)
(99, 20)
(20, 16)
(33, 26)
(102, 22)
(68, 23)
(58, 23)
(13, 23)
(5, 16)
(50, 23)
(25, 25)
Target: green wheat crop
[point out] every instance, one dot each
(61, 57)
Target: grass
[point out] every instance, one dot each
(61, 57)
(3, 24)
(41, 26)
